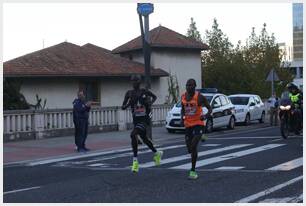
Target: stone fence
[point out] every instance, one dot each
(37, 124)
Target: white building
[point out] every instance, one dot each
(297, 62)
(173, 52)
(56, 73)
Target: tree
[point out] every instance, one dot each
(193, 32)
(173, 89)
(216, 61)
(261, 55)
(242, 69)
(12, 98)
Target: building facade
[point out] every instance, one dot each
(175, 53)
(297, 63)
(57, 73)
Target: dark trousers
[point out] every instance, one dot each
(80, 132)
(273, 116)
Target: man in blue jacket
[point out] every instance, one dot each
(80, 120)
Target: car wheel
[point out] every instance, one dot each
(209, 126)
(262, 118)
(231, 123)
(171, 131)
(247, 119)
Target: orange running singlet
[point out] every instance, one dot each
(193, 111)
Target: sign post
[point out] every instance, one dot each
(145, 9)
(272, 76)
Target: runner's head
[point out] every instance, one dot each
(190, 86)
(136, 80)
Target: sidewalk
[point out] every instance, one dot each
(59, 146)
(28, 150)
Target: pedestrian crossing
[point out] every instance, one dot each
(217, 157)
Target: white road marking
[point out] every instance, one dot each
(297, 199)
(47, 161)
(288, 165)
(131, 153)
(228, 156)
(276, 140)
(21, 190)
(284, 199)
(245, 130)
(210, 145)
(269, 190)
(263, 137)
(187, 156)
(96, 165)
(229, 168)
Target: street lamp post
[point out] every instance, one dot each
(145, 9)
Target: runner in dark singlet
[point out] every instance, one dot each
(138, 100)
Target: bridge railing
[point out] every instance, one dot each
(35, 124)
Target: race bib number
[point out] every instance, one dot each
(140, 111)
(190, 110)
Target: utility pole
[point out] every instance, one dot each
(145, 9)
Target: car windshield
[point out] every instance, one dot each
(239, 100)
(179, 104)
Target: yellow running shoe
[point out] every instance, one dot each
(157, 157)
(135, 166)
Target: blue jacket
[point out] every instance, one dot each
(80, 110)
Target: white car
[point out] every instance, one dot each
(223, 114)
(249, 107)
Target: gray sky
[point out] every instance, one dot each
(27, 25)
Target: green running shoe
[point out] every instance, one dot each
(157, 157)
(135, 166)
(204, 137)
(193, 175)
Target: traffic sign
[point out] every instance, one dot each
(272, 76)
(145, 9)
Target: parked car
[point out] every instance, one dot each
(207, 90)
(223, 114)
(249, 107)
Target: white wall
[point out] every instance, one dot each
(59, 93)
(113, 91)
(184, 64)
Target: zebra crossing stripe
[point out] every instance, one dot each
(187, 156)
(228, 156)
(288, 165)
(269, 190)
(229, 168)
(210, 145)
(78, 156)
(294, 199)
(131, 153)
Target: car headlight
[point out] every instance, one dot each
(288, 107)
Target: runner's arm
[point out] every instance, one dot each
(153, 96)
(126, 101)
(182, 113)
(203, 101)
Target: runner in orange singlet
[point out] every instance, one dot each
(193, 120)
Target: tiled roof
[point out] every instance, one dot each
(67, 59)
(162, 37)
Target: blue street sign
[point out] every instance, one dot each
(145, 9)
